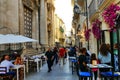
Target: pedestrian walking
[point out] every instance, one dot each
(61, 55)
(65, 56)
(55, 53)
(49, 58)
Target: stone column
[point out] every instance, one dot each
(43, 24)
(21, 17)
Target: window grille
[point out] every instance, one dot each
(28, 25)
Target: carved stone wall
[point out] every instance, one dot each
(12, 17)
(43, 24)
(50, 22)
(9, 15)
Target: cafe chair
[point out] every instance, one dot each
(4, 75)
(109, 75)
(74, 62)
(81, 74)
(70, 60)
(32, 65)
(84, 75)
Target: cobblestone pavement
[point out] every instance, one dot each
(57, 73)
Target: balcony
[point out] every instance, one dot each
(62, 39)
(61, 29)
(62, 36)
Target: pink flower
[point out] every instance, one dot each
(96, 29)
(110, 15)
(87, 34)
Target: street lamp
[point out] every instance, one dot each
(77, 10)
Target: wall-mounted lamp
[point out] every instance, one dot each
(77, 10)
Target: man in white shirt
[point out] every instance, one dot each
(8, 64)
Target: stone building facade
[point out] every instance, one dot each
(20, 17)
(31, 18)
(95, 10)
(59, 31)
(84, 19)
(50, 22)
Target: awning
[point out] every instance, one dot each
(11, 38)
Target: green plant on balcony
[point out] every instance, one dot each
(61, 29)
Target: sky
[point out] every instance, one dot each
(64, 11)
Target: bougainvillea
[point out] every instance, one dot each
(110, 15)
(96, 29)
(87, 34)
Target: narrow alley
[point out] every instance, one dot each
(33, 33)
(57, 73)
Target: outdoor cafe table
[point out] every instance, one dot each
(17, 67)
(99, 66)
(35, 60)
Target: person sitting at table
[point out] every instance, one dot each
(94, 61)
(82, 61)
(19, 61)
(8, 64)
(104, 56)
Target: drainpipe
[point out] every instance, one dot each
(39, 21)
(87, 20)
(112, 53)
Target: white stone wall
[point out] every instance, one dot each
(9, 14)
